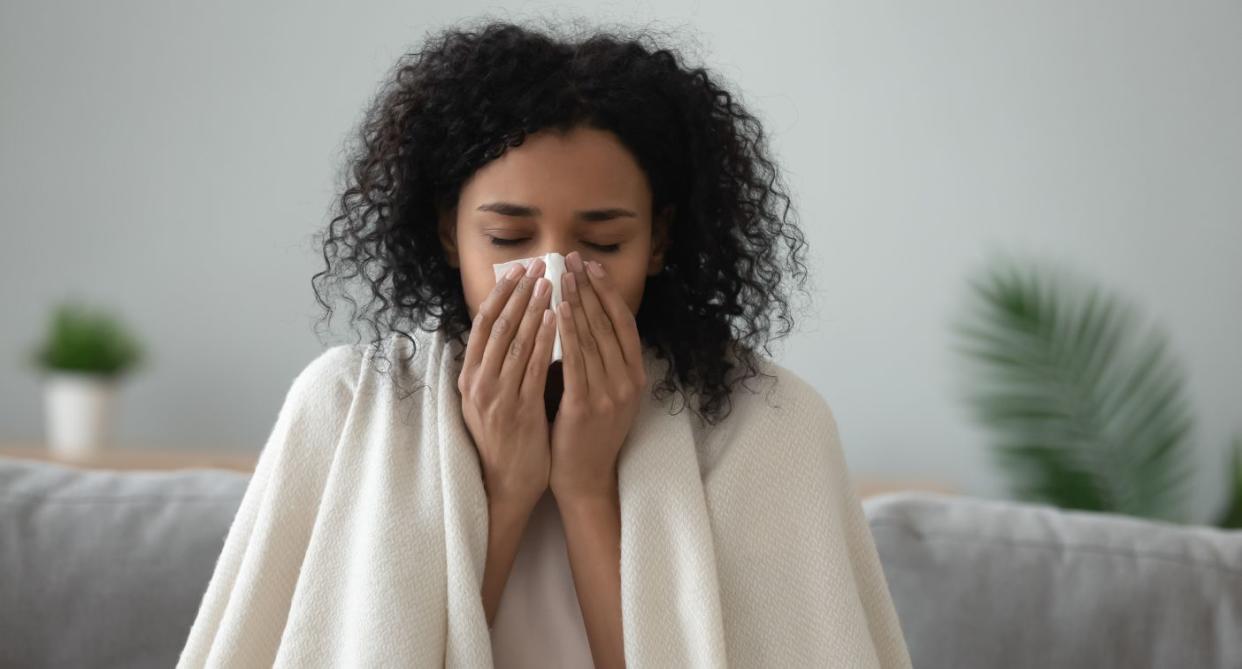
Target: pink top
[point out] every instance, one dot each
(539, 622)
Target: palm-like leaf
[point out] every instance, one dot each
(1231, 515)
(1085, 411)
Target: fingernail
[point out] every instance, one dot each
(575, 261)
(514, 272)
(571, 283)
(541, 286)
(535, 268)
(596, 268)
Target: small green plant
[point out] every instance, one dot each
(89, 341)
(1086, 410)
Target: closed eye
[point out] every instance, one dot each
(501, 241)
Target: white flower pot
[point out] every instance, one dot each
(79, 412)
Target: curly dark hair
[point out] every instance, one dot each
(471, 92)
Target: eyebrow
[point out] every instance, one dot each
(591, 215)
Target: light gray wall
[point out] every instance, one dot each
(173, 162)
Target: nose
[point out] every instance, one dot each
(563, 250)
(562, 240)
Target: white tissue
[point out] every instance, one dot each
(554, 269)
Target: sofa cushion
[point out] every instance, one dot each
(986, 583)
(106, 568)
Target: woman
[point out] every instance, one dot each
(592, 522)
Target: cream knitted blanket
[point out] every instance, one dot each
(362, 536)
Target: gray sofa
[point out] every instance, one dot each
(106, 569)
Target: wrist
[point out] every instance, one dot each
(588, 508)
(513, 502)
(604, 489)
(604, 493)
(511, 492)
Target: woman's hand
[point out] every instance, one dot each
(502, 383)
(604, 381)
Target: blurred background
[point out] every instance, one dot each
(170, 162)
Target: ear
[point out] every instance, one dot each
(660, 240)
(447, 229)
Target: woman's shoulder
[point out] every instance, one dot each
(780, 394)
(347, 369)
(333, 372)
(776, 408)
(766, 387)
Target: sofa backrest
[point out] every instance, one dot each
(106, 568)
(987, 583)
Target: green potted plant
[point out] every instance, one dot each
(1085, 407)
(82, 358)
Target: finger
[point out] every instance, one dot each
(506, 324)
(587, 345)
(619, 312)
(514, 366)
(536, 379)
(573, 371)
(488, 311)
(601, 326)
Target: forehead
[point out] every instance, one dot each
(581, 168)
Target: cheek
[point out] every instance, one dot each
(635, 297)
(629, 279)
(477, 283)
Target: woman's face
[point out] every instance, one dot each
(581, 191)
